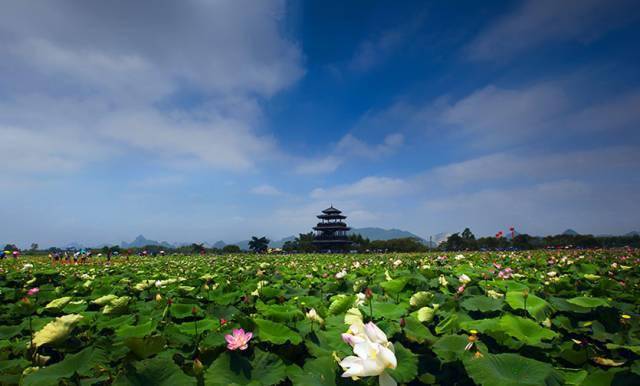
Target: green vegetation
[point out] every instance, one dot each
(489, 318)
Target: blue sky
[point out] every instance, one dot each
(201, 120)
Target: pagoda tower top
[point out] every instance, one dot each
(331, 231)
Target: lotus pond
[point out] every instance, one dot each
(491, 318)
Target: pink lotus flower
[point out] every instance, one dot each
(33, 291)
(239, 339)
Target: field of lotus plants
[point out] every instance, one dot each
(487, 318)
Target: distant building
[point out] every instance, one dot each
(331, 231)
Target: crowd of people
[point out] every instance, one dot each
(81, 256)
(7, 254)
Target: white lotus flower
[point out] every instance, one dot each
(314, 317)
(464, 279)
(360, 299)
(27, 266)
(443, 281)
(341, 274)
(373, 353)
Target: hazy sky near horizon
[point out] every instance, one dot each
(204, 120)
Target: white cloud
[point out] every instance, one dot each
(31, 151)
(539, 209)
(350, 147)
(84, 82)
(371, 52)
(535, 22)
(496, 115)
(266, 190)
(323, 165)
(365, 187)
(353, 146)
(611, 161)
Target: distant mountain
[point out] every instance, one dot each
(570, 232)
(385, 234)
(439, 238)
(219, 244)
(74, 245)
(141, 241)
(631, 234)
(280, 243)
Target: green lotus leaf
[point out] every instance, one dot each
(340, 304)
(389, 311)
(58, 303)
(394, 286)
(481, 303)
(143, 285)
(407, 368)
(145, 347)
(421, 299)
(535, 306)
(56, 331)
(525, 330)
(450, 348)
(117, 306)
(101, 301)
(511, 370)
(182, 310)
(280, 312)
(276, 333)
(426, 314)
(235, 369)
(416, 331)
(158, 371)
(316, 372)
(138, 331)
(81, 363)
(587, 302)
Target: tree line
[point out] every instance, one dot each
(459, 241)
(467, 241)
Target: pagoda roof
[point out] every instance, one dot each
(331, 216)
(327, 227)
(331, 210)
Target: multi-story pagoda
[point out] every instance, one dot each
(331, 231)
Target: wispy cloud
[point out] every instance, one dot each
(350, 147)
(365, 187)
(535, 22)
(375, 50)
(74, 98)
(266, 190)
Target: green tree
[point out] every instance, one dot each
(259, 244)
(231, 248)
(34, 247)
(467, 234)
(453, 243)
(198, 248)
(11, 247)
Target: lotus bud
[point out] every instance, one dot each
(158, 297)
(368, 293)
(197, 366)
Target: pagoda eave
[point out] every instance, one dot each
(346, 229)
